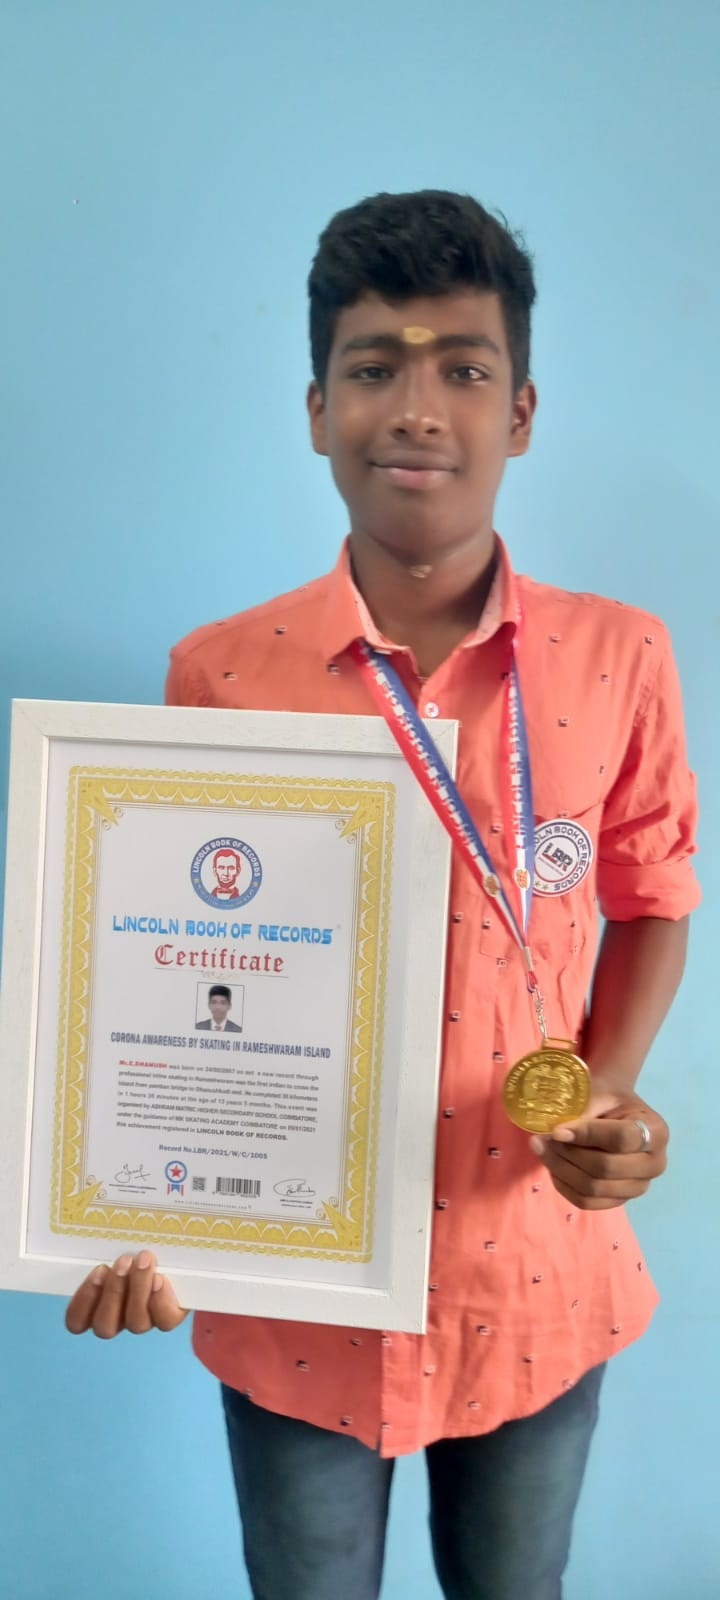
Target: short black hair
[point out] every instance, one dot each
(221, 989)
(432, 242)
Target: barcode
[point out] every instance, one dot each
(199, 1185)
(244, 1186)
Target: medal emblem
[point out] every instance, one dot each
(547, 1087)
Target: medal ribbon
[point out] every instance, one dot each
(437, 783)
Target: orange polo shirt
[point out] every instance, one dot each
(526, 1292)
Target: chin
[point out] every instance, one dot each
(414, 538)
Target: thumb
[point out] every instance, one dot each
(600, 1104)
(164, 1309)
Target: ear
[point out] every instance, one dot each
(316, 413)
(523, 410)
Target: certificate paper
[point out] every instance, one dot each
(236, 973)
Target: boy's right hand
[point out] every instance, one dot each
(131, 1295)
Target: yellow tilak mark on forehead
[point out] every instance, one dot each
(418, 335)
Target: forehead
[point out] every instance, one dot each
(419, 321)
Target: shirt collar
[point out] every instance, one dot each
(347, 617)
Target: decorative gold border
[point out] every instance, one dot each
(97, 797)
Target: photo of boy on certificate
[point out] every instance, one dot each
(219, 1003)
(573, 773)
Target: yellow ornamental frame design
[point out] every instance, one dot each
(97, 798)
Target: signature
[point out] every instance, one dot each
(291, 1187)
(132, 1175)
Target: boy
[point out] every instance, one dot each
(420, 331)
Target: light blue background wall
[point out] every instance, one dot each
(167, 167)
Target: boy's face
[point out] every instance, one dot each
(418, 418)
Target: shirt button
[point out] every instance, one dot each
(431, 710)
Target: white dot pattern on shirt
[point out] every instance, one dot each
(433, 710)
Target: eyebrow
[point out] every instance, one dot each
(445, 341)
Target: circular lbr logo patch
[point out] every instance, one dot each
(563, 856)
(226, 872)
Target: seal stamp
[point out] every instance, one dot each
(176, 1172)
(563, 856)
(226, 871)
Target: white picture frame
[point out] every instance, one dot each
(55, 1075)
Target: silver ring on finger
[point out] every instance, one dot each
(645, 1135)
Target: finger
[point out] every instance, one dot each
(81, 1310)
(164, 1308)
(603, 1164)
(138, 1318)
(582, 1183)
(586, 1202)
(109, 1318)
(617, 1135)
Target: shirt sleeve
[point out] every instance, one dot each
(647, 833)
(183, 686)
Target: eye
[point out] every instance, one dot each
(370, 373)
(470, 374)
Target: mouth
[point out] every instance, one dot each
(415, 472)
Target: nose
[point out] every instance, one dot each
(419, 404)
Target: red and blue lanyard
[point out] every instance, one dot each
(436, 781)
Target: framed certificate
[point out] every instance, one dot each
(221, 1008)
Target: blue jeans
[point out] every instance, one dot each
(314, 1504)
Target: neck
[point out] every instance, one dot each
(429, 605)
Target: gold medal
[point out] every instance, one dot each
(547, 1087)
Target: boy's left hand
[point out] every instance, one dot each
(599, 1161)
